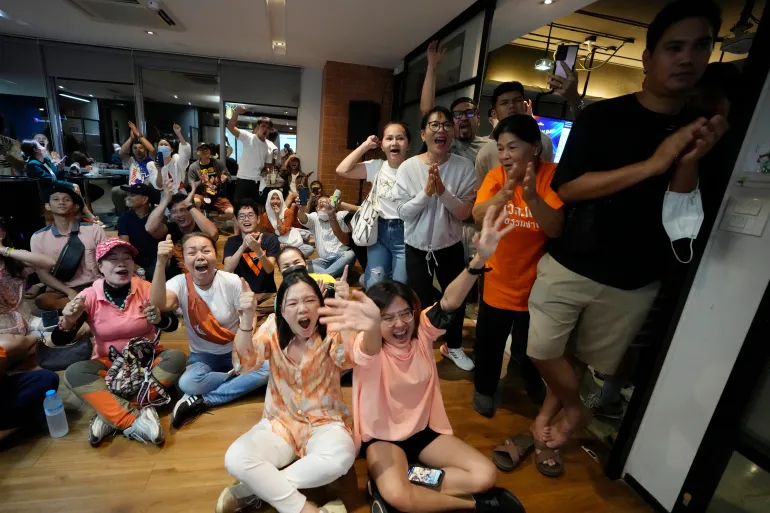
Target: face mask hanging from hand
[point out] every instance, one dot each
(682, 218)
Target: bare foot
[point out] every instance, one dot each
(574, 419)
(538, 427)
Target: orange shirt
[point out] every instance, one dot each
(514, 264)
(299, 397)
(289, 218)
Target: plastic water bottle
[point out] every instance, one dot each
(335, 198)
(54, 414)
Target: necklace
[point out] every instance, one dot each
(120, 306)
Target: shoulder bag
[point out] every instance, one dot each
(365, 220)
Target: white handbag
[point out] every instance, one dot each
(365, 220)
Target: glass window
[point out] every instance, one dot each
(94, 117)
(23, 109)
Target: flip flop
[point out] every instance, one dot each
(508, 456)
(545, 454)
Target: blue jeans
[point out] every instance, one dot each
(332, 264)
(387, 259)
(207, 375)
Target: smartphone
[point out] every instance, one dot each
(425, 476)
(50, 320)
(568, 54)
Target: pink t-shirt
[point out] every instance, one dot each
(396, 392)
(109, 325)
(48, 241)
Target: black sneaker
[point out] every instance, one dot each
(497, 500)
(186, 410)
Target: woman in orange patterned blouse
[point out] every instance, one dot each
(302, 430)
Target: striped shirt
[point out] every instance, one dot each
(299, 397)
(326, 243)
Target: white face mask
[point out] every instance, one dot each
(682, 218)
(323, 216)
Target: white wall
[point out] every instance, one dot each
(309, 119)
(728, 287)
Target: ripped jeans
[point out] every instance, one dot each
(386, 256)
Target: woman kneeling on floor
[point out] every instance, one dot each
(117, 308)
(399, 413)
(209, 301)
(302, 430)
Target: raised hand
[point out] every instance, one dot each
(73, 310)
(372, 142)
(240, 109)
(528, 103)
(190, 201)
(341, 287)
(705, 139)
(254, 244)
(491, 234)
(437, 182)
(565, 87)
(673, 146)
(168, 188)
(529, 184)
(358, 314)
(165, 250)
(151, 312)
(322, 286)
(134, 131)
(247, 302)
(435, 54)
(177, 129)
(430, 186)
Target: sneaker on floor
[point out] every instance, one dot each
(458, 356)
(186, 410)
(334, 507)
(497, 500)
(229, 503)
(146, 427)
(600, 409)
(484, 404)
(98, 430)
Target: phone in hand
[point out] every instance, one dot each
(567, 54)
(50, 320)
(431, 477)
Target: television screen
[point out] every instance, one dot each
(558, 130)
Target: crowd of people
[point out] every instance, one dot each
(566, 264)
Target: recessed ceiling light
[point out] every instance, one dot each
(150, 32)
(41, 109)
(286, 112)
(279, 43)
(74, 98)
(3, 14)
(61, 87)
(290, 128)
(175, 96)
(91, 95)
(547, 2)
(189, 103)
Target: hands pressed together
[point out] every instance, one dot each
(434, 185)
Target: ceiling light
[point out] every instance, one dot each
(61, 87)
(41, 109)
(278, 43)
(547, 2)
(74, 97)
(546, 63)
(4, 15)
(286, 112)
(189, 103)
(150, 32)
(290, 128)
(91, 95)
(175, 96)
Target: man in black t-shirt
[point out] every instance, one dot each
(597, 283)
(212, 178)
(131, 227)
(252, 255)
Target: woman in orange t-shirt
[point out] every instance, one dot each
(521, 186)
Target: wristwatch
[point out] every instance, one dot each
(190, 207)
(476, 272)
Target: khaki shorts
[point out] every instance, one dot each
(594, 322)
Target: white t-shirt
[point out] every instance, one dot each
(222, 298)
(326, 243)
(256, 153)
(176, 169)
(386, 187)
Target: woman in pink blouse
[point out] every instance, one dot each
(398, 411)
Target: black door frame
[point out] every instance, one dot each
(755, 72)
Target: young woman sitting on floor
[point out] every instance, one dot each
(302, 430)
(117, 308)
(398, 410)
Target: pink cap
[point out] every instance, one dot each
(108, 245)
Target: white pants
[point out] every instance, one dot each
(256, 457)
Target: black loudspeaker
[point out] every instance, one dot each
(363, 119)
(21, 209)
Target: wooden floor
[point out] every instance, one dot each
(40, 474)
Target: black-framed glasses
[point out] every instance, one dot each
(469, 113)
(435, 126)
(390, 320)
(243, 217)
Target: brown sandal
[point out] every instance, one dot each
(545, 454)
(508, 456)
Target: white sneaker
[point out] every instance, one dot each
(458, 356)
(98, 430)
(334, 507)
(146, 427)
(228, 501)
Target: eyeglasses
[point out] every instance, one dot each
(470, 113)
(391, 319)
(434, 126)
(244, 217)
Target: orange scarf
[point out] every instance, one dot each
(204, 323)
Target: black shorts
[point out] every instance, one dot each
(412, 446)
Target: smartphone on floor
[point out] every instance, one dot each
(424, 476)
(50, 320)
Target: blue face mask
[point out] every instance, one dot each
(164, 150)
